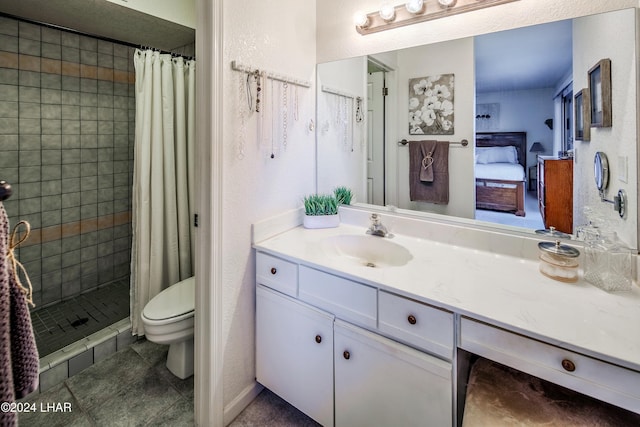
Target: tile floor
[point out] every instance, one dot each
(69, 321)
(130, 388)
(134, 388)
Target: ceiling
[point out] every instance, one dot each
(103, 19)
(533, 57)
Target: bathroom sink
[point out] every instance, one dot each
(370, 251)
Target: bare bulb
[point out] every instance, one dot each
(387, 12)
(447, 3)
(414, 6)
(360, 19)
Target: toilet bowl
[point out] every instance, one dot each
(168, 319)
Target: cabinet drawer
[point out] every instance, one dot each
(277, 273)
(346, 299)
(417, 324)
(593, 377)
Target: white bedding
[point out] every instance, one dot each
(501, 171)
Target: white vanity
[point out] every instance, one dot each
(352, 336)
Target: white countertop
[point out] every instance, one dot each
(502, 290)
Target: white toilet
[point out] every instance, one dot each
(168, 319)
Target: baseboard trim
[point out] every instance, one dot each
(241, 401)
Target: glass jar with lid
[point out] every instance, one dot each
(608, 262)
(558, 261)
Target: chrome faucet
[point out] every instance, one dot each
(376, 228)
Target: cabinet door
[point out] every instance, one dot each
(379, 382)
(294, 353)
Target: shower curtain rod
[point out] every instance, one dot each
(80, 33)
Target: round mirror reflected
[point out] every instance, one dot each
(601, 170)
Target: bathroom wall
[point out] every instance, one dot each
(597, 37)
(453, 57)
(342, 141)
(525, 111)
(277, 37)
(66, 143)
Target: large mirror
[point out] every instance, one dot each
(513, 88)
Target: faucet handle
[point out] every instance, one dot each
(375, 218)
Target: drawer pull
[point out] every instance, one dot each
(318, 339)
(273, 270)
(412, 319)
(568, 365)
(346, 355)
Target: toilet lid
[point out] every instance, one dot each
(176, 300)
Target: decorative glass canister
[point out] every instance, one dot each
(558, 261)
(608, 262)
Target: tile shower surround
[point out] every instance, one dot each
(67, 112)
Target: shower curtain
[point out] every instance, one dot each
(163, 177)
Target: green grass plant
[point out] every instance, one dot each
(320, 204)
(343, 195)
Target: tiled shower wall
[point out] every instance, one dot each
(67, 111)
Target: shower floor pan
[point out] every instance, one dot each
(62, 324)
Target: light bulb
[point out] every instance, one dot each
(387, 12)
(414, 6)
(360, 19)
(446, 3)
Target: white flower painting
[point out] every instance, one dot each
(431, 105)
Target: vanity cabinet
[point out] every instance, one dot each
(294, 353)
(323, 352)
(379, 382)
(555, 193)
(584, 374)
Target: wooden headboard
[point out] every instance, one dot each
(504, 139)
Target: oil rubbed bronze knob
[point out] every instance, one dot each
(568, 365)
(346, 355)
(273, 270)
(318, 339)
(412, 319)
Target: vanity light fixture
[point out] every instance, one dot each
(415, 11)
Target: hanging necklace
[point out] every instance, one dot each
(242, 128)
(248, 90)
(261, 118)
(344, 120)
(350, 123)
(273, 155)
(359, 116)
(285, 113)
(258, 77)
(295, 104)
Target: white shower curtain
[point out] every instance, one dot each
(163, 177)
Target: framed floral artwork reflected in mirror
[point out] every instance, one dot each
(431, 105)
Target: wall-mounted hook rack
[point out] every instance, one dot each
(236, 66)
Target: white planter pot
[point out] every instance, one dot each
(321, 221)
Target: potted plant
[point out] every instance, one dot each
(321, 211)
(343, 195)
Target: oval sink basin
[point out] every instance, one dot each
(369, 251)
